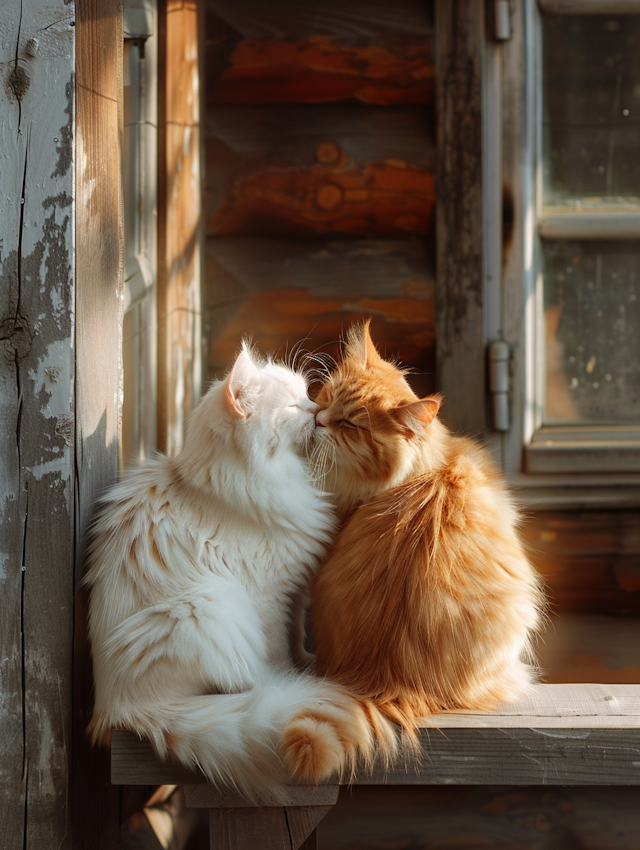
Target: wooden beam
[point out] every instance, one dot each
(460, 32)
(305, 171)
(36, 422)
(559, 734)
(464, 755)
(365, 52)
(99, 299)
(179, 226)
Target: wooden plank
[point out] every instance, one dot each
(281, 292)
(522, 757)
(488, 817)
(37, 421)
(309, 170)
(179, 335)
(99, 299)
(460, 32)
(508, 755)
(589, 559)
(366, 52)
(561, 705)
(207, 797)
(541, 739)
(133, 762)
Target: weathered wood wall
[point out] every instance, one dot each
(319, 195)
(36, 421)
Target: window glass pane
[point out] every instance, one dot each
(591, 108)
(592, 332)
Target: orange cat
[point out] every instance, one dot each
(427, 601)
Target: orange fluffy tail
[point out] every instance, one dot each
(341, 737)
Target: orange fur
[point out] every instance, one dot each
(427, 601)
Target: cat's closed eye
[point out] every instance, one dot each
(345, 423)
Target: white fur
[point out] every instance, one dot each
(197, 564)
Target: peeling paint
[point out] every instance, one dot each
(36, 411)
(64, 428)
(65, 148)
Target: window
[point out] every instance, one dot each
(570, 301)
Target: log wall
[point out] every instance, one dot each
(319, 197)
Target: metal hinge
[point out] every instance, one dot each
(502, 20)
(499, 383)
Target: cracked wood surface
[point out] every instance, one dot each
(36, 407)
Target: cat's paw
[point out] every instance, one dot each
(312, 749)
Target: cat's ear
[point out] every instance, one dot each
(418, 414)
(243, 373)
(360, 345)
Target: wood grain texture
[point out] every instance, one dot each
(36, 422)
(281, 292)
(99, 299)
(367, 53)
(306, 171)
(461, 756)
(179, 235)
(460, 31)
(489, 817)
(269, 828)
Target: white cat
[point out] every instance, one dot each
(198, 567)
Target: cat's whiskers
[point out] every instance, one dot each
(322, 461)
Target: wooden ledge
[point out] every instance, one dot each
(558, 735)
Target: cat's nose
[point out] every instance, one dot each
(319, 414)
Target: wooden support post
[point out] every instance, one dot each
(459, 26)
(235, 825)
(268, 828)
(179, 335)
(99, 300)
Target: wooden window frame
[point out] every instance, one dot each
(564, 466)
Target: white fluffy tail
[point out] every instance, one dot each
(244, 741)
